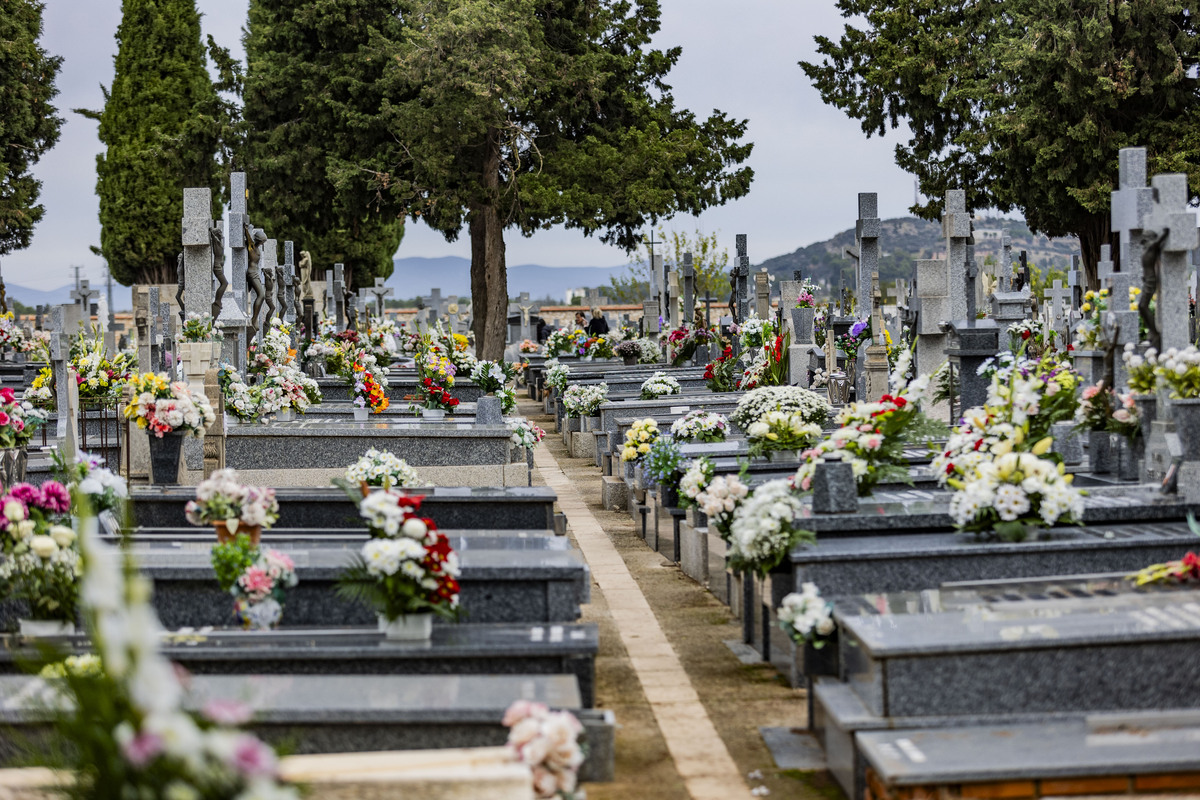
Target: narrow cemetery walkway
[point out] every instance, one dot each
(687, 710)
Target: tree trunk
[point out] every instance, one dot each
(1091, 236)
(489, 272)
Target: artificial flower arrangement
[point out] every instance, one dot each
(720, 374)
(1094, 412)
(18, 419)
(557, 376)
(763, 528)
(1141, 370)
(548, 743)
(41, 390)
(564, 342)
(849, 343)
(780, 430)
(695, 480)
(241, 400)
(493, 377)
(700, 426)
(381, 468)
(598, 347)
(1179, 370)
(436, 373)
(124, 720)
(806, 298)
(41, 556)
(720, 499)
(768, 365)
(648, 351)
(639, 439)
(685, 341)
(807, 617)
(161, 406)
(628, 349)
(366, 389)
(582, 400)
(11, 334)
(812, 407)
(1013, 494)
(663, 463)
(872, 437)
(282, 385)
(524, 433)
(229, 505)
(407, 566)
(1185, 570)
(89, 478)
(528, 346)
(755, 332)
(257, 579)
(1089, 334)
(199, 328)
(659, 385)
(98, 376)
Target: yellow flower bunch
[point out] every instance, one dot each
(639, 439)
(1135, 293)
(460, 342)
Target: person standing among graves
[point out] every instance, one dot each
(599, 325)
(580, 321)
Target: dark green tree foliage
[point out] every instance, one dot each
(1025, 103)
(28, 122)
(162, 126)
(532, 113)
(306, 78)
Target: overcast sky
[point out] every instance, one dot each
(739, 56)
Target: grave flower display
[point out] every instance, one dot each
(658, 385)
(662, 465)
(685, 341)
(381, 468)
(807, 617)
(564, 342)
(779, 430)
(763, 528)
(230, 506)
(11, 334)
(648, 351)
(406, 571)
(557, 375)
(548, 742)
(41, 391)
(1094, 412)
(198, 328)
(1126, 419)
(125, 723)
(493, 378)
(1185, 570)
(720, 499)
(241, 400)
(1012, 495)
(766, 365)
(812, 407)
(755, 332)
(168, 411)
(368, 393)
(720, 374)
(584, 400)
(436, 373)
(1142, 370)
(1179, 370)
(849, 343)
(40, 563)
(700, 426)
(639, 439)
(597, 347)
(18, 422)
(87, 477)
(695, 481)
(524, 433)
(257, 579)
(629, 350)
(872, 437)
(528, 346)
(98, 376)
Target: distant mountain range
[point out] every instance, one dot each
(902, 240)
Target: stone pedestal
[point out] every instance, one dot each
(971, 343)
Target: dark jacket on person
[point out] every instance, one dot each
(597, 327)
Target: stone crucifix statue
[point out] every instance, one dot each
(255, 238)
(306, 290)
(216, 239)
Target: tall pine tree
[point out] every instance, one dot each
(532, 113)
(29, 124)
(162, 127)
(305, 64)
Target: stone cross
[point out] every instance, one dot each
(1119, 319)
(330, 307)
(83, 295)
(971, 276)
(1074, 282)
(1058, 302)
(380, 291)
(436, 303)
(1006, 260)
(673, 294)
(689, 288)
(269, 264)
(289, 282)
(1131, 203)
(197, 252)
(933, 310)
(956, 228)
(1170, 214)
(866, 234)
(339, 295)
(874, 379)
(742, 278)
(762, 294)
(233, 320)
(661, 291)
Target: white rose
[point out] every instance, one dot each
(43, 546)
(414, 528)
(62, 535)
(14, 511)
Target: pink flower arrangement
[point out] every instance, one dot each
(547, 741)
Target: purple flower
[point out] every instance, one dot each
(858, 327)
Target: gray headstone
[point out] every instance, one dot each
(956, 228)
(834, 488)
(197, 252)
(866, 232)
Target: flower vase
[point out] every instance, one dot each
(433, 413)
(35, 628)
(783, 456)
(1187, 425)
(669, 496)
(1102, 458)
(261, 616)
(361, 414)
(13, 461)
(164, 458)
(630, 361)
(224, 534)
(1067, 443)
(1127, 459)
(802, 325)
(822, 660)
(407, 627)
(838, 389)
(1147, 406)
(285, 415)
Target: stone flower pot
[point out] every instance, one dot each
(1102, 456)
(1187, 425)
(164, 458)
(802, 325)
(1067, 443)
(407, 628)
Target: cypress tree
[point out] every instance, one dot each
(29, 124)
(304, 69)
(161, 126)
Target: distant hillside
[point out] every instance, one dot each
(452, 274)
(905, 239)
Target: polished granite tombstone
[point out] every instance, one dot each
(356, 713)
(401, 387)
(530, 508)
(1004, 653)
(314, 442)
(467, 649)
